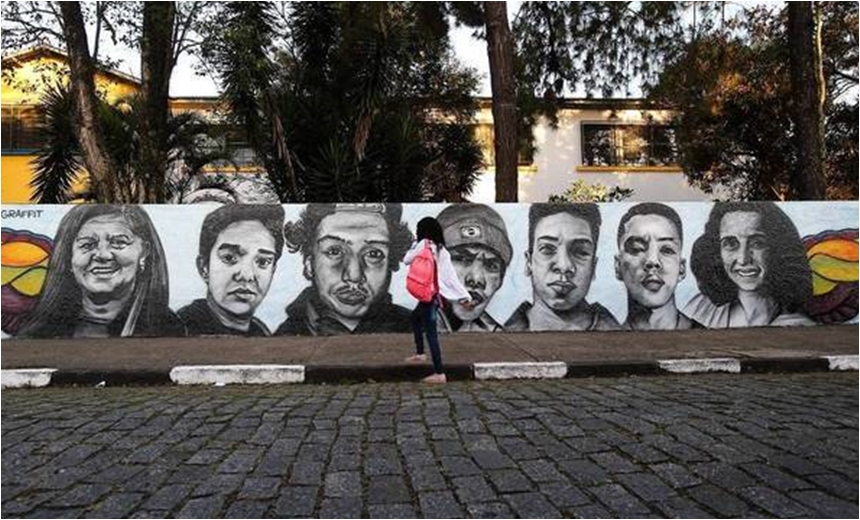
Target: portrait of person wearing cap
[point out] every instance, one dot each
(477, 239)
(238, 253)
(348, 252)
(560, 261)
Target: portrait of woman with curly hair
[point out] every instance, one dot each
(751, 268)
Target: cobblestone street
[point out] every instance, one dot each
(782, 445)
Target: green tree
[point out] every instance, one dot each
(58, 163)
(347, 101)
(733, 93)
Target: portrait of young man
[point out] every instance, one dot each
(477, 239)
(348, 253)
(560, 261)
(649, 262)
(238, 253)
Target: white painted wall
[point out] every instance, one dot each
(559, 155)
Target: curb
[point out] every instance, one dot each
(219, 375)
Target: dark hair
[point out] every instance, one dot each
(300, 236)
(59, 305)
(651, 208)
(428, 227)
(271, 216)
(790, 283)
(587, 211)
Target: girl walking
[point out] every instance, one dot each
(429, 234)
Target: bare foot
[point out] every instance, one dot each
(435, 378)
(417, 358)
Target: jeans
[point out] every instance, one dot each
(424, 321)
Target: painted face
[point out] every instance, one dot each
(241, 266)
(743, 248)
(349, 266)
(481, 270)
(562, 261)
(106, 256)
(649, 260)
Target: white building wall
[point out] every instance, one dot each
(558, 162)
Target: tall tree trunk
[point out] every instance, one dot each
(89, 133)
(156, 66)
(807, 86)
(501, 54)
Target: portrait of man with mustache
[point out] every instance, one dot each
(560, 261)
(348, 253)
(239, 250)
(649, 262)
(477, 239)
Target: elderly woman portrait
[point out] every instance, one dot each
(107, 277)
(751, 268)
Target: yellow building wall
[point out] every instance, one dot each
(24, 88)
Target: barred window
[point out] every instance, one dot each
(20, 132)
(628, 145)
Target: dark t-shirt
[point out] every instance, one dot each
(383, 316)
(201, 321)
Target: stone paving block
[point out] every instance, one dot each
(391, 511)
(509, 481)
(563, 494)
(343, 484)
(346, 507)
(296, 502)
(306, 473)
(247, 509)
(826, 505)
(617, 499)
(458, 466)
(426, 478)
(836, 485)
(719, 501)
(167, 497)
(680, 507)
(473, 489)
(774, 478)
(204, 507)
(489, 510)
(531, 505)
(439, 504)
(240, 461)
(584, 472)
(387, 490)
(116, 506)
(589, 511)
(613, 462)
(219, 483)
(80, 495)
(774, 502)
(723, 475)
(491, 459)
(646, 486)
(259, 488)
(541, 470)
(675, 475)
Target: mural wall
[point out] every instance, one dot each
(322, 269)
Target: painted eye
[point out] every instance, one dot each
(86, 245)
(493, 266)
(228, 258)
(120, 243)
(580, 252)
(547, 249)
(729, 243)
(374, 257)
(668, 251)
(334, 252)
(264, 262)
(758, 243)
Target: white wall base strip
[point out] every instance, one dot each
(692, 366)
(237, 374)
(535, 370)
(842, 362)
(26, 377)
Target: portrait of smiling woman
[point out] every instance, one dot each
(107, 277)
(751, 268)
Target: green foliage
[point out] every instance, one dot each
(582, 191)
(356, 94)
(733, 95)
(59, 161)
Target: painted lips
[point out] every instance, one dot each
(653, 284)
(104, 271)
(562, 288)
(748, 272)
(351, 296)
(477, 297)
(243, 294)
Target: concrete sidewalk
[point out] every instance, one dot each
(380, 357)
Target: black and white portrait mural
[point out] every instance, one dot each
(239, 251)
(481, 251)
(349, 252)
(107, 276)
(560, 261)
(650, 263)
(323, 269)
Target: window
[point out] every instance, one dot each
(235, 143)
(628, 145)
(21, 130)
(486, 137)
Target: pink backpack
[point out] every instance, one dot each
(421, 278)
